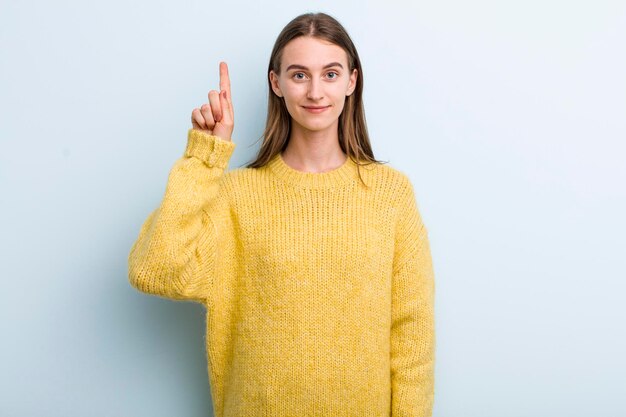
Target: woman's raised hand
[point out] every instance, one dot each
(216, 117)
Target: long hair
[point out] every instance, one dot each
(353, 137)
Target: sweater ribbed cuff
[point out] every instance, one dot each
(211, 149)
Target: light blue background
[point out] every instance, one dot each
(509, 117)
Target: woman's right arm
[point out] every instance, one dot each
(175, 253)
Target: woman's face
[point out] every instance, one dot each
(314, 73)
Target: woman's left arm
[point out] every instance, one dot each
(413, 321)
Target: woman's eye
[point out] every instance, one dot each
(301, 75)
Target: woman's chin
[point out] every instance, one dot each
(315, 125)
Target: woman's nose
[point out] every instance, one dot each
(315, 90)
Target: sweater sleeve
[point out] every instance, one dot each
(413, 326)
(174, 254)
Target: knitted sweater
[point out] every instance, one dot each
(319, 292)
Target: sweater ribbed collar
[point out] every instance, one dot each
(341, 175)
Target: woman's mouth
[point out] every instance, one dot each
(315, 109)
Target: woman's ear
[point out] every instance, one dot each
(352, 83)
(274, 83)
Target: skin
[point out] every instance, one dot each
(216, 117)
(314, 137)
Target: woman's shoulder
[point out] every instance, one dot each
(388, 177)
(238, 176)
(243, 179)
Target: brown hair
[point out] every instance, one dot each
(353, 136)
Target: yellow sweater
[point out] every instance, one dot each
(319, 292)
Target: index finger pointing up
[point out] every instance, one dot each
(225, 82)
(224, 78)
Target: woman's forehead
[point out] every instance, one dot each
(312, 53)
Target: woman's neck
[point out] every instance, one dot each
(313, 150)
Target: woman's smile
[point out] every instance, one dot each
(315, 109)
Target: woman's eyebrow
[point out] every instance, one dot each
(297, 66)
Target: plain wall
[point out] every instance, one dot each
(509, 118)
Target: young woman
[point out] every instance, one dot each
(313, 261)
